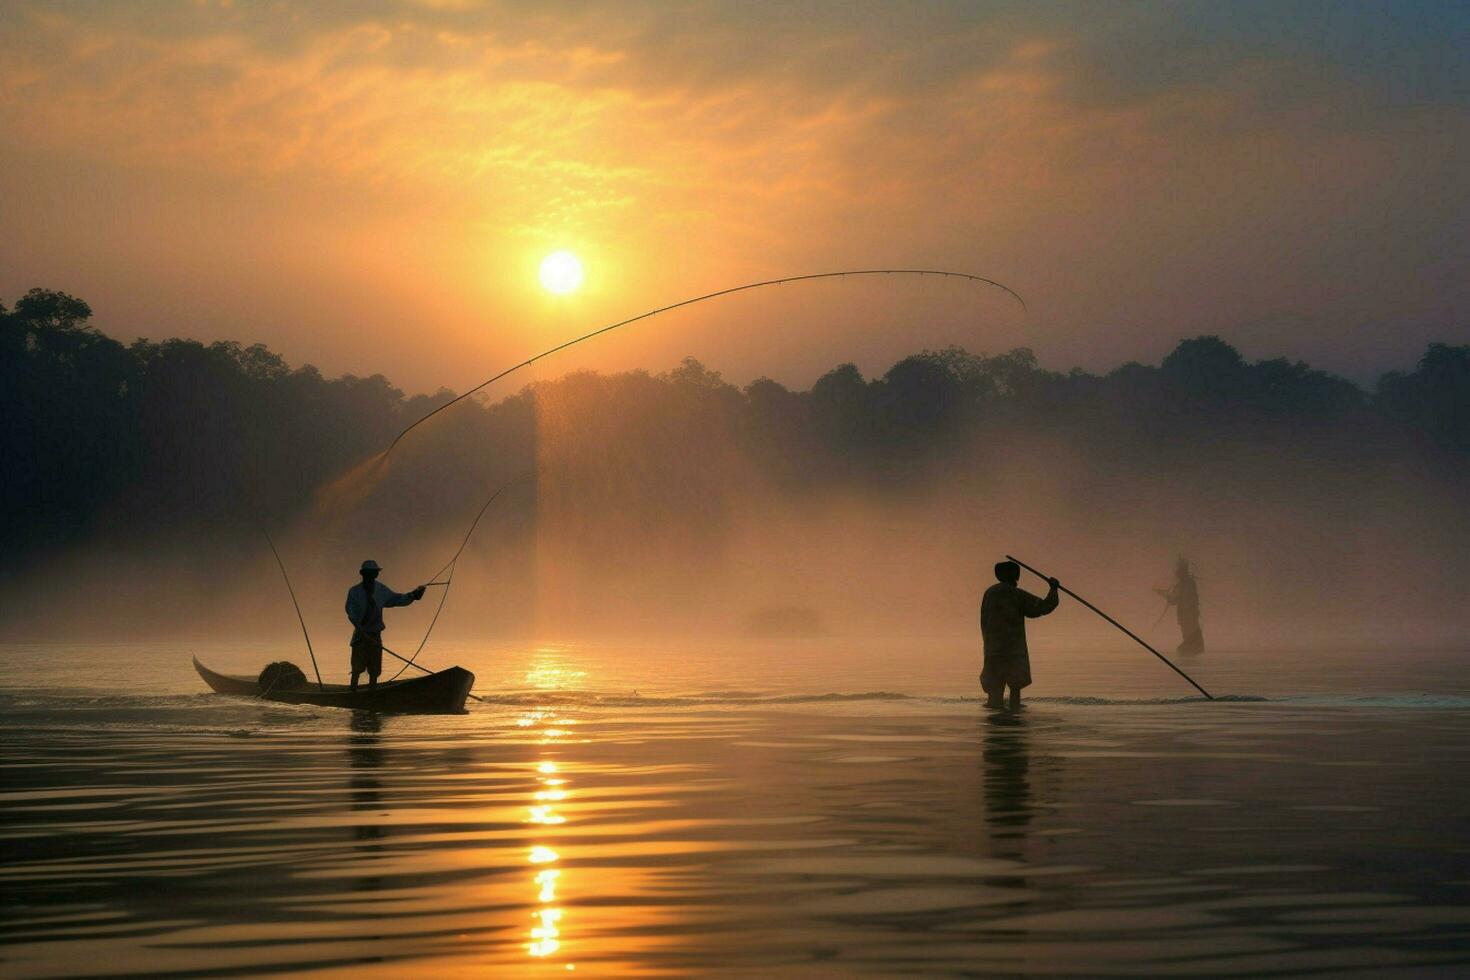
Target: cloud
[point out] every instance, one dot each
(1071, 145)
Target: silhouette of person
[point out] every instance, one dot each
(1003, 614)
(1183, 595)
(365, 604)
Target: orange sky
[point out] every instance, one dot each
(369, 186)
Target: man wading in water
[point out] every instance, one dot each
(365, 604)
(1184, 597)
(1003, 615)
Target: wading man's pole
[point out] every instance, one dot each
(1120, 626)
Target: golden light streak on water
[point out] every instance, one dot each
(547, 672)
(545, 937)
(544, 816)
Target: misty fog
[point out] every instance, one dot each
(680, 505)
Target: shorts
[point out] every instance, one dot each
(367, 654)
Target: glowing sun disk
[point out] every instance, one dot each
(561, 272)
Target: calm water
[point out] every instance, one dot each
(797, 810)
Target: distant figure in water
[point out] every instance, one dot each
(365, 604)
(1183, 595)
(1003, 615)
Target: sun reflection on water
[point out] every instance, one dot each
(548, 673)
(545, 936)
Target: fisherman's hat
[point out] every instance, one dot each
(370, 566)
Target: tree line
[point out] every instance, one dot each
(171, 438)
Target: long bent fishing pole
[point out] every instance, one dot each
(700, 299)
(1120, 626)
(598, 332)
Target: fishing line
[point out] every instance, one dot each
(255, 492)
(689, 302)
(299, 618)
(394, 653)
(449, 567)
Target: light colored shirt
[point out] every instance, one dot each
(371, 620)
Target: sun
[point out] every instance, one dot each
(561, 272)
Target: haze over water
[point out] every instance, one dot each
(792, 808)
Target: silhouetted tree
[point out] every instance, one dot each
(178, 436)
(1435, 397)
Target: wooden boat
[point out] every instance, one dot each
(440, 693)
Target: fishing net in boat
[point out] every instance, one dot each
(282, 675)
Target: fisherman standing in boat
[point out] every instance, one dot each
(1003, 615)
(365, 604)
